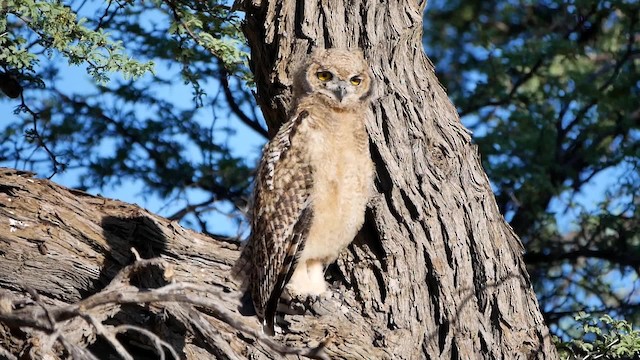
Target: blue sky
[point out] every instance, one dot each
(74, 80)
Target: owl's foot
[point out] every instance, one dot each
(305, 290)
(319, 305)
(296, 304)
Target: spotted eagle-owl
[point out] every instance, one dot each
(312, 184)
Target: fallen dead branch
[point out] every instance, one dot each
(72, 287)
(52, 320)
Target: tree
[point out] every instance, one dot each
(551, 90)
(434, 224)
(163, 142)
(436, 271)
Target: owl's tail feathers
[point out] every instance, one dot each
(296, 246)
(240, 269)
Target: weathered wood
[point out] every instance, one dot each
(65, 245)
(439, 273)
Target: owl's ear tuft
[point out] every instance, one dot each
(318, 53)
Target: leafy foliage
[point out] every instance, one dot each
(601, 338)
(54, 26)
(123, 128)
(551, 90)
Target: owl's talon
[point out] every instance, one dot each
(317, 305)
(312, 299)
(302, 304)
(298, 304)
(293, 304)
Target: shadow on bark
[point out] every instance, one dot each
(127, 238)
(124, 234)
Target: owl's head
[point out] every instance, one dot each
(340, 78)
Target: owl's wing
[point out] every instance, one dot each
(282, 215)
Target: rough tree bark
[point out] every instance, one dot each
(436, 272)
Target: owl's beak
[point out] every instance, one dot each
(340, 92)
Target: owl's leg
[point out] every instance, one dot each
(299, 281)
(305, 289)
(308, 279)
(317, 285)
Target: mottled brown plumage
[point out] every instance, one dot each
(313, 182)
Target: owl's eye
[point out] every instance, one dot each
(355, 81)
(324, 75)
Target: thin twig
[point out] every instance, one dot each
(36, 299)
(135, 254)
(109, 336)
(157, 341)
(118, 292)
(54, 333)
(233, 105)
(35, 117)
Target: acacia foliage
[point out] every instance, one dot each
(124, 126)
(551, 90)
(602, 338)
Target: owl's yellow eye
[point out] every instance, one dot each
(355, 81)
(324, 75)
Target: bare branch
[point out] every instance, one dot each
(119, 292)
(157, 342)
(109, 336)
(224, 81)
(233, 105)
(35, 134)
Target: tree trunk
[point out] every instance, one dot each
(435, 273)
(438, 273)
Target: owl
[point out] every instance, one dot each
(312, 184)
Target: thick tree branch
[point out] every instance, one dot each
(612, 255)
(184, 283)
